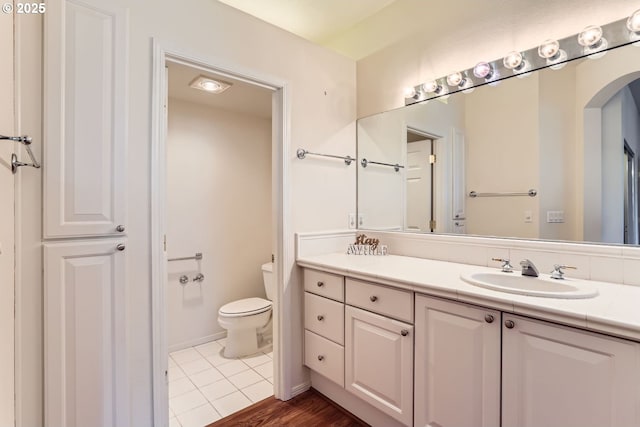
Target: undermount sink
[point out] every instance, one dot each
(543, 286)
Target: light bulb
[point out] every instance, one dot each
(431, 86)
(548, 49)
(409, 92)
(483, 70)
(210, 85)
(633, 25)
(590, 36)
(454, 79)
(513, 60)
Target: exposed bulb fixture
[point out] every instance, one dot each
(516, 62)
(594, 44)
(454, 79)
(633, 25)
(550, 50)
(409, 92)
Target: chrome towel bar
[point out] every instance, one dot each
(197, 257)
(302, 153)
(530, 193)
(26, 141)
(365, 163)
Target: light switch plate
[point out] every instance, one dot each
(528, 216)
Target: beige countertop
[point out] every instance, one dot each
(615, 310)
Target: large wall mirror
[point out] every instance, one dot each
(553, 155)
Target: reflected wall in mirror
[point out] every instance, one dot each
(573, 135)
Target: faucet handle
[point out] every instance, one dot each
(506, 264)
(557, 272)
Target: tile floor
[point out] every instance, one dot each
(204, 386)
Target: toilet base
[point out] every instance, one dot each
(240, 343)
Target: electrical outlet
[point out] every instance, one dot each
(360, 220)
(352, 221)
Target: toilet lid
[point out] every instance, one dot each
(246, 307)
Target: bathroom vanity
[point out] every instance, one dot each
(425, 348)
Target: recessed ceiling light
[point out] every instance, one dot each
(209, 85)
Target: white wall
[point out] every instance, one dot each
(218, 203)
(448, 36)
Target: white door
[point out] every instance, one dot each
(458, 178)
(379, 362)
(419, 195)
(457, 382)
(7, 255)
(85, 334)
(559, 376)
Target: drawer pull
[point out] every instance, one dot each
(320, 317)
(488, 318)
(404, 332)
(321, 358)
(320, 284)
(509, 324)
(120, 247)
(373, 298)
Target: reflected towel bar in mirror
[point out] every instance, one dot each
(530, 193)
(302, 153)
(365, 162)
(197, 257)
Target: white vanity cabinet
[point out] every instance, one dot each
(457, 364)
(555, 375)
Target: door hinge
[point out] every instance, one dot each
(432, 158)
(273, 258)
(165, 243)
(432, 224)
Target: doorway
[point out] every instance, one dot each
(420, 175)
(281, 230)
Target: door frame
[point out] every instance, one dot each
(281, 214)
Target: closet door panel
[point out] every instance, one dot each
(85, 119)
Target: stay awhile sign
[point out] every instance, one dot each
(366, 246)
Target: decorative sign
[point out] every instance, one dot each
(366, 246)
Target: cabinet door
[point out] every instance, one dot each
(565, 377)
(457, 365)
(85, 65)
(85, 334)
(379, 362)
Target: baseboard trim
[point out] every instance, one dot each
(300, 388)
(197, 341)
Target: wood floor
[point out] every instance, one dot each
(309, 409)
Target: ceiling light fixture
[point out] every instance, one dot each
(633, 25)
(550, 50)
(210, 85)
(593, 43)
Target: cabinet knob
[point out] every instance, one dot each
(373, 298)
(509, 324)
(320, 317)
(404, 332)
(321, 358)
(320, 284)
(488, 318)
(120, 247)
(184, 279)
(120, 228)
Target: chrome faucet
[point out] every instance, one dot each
(528, 268)
(506, 265)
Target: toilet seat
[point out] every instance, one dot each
(245, 307)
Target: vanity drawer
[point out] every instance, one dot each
(324, 356)
(324, 284)
(396, 303)
(324, 317)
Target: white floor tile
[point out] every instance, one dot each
(270, 379)
(256, 359)
(185, 356)
(222, 341)
(270, 354)
(232, 368)
(171, 413)
(175, 373)
(173, 422)
(199, 417)
(266, 370)
(209, 348)
(258, 391)
(196, 366)
(172, 362)
(232, 403)
(216, 359)
(206, 377)
(218, 389)
(245, 378)
(187, 401)
(180, 386)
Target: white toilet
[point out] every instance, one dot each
(248, 321)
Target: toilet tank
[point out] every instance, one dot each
(269, 283)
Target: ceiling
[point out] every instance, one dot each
(241, 97)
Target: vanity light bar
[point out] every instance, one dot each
(551, 53)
